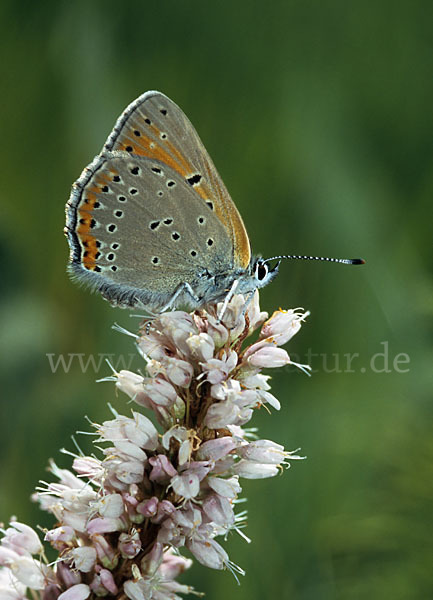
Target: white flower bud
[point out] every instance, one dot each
(251, 470)
(104, 525)
(179, 372)
(221, 414)
(111, 506)
(29, 571)
(269, 357)
(129, 544)
(60, 534)
(216, 449)
(263, 451)
(201, 346)
(129, 383)
(187, 485)
(219, 510)
(84, 558)
(229, 488)
(134, 590)
(208, 552)
(21, 538)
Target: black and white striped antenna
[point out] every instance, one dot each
(345, 261)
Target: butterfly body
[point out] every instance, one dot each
(150, 222)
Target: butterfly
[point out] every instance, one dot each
(150, 222)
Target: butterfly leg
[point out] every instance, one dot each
(182, 287)
(247, 302)
(148, 314)
(227, 299)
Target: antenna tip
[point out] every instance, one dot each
(357, 261)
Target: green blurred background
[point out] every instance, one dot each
(319, 118)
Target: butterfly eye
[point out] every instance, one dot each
(261, 271)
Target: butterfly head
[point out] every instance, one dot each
(262, 272)
(257, 275)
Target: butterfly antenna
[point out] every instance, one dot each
(345, 261)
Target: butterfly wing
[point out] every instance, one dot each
(155, 127)
(137, 230)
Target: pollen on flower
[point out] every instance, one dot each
(122, 520)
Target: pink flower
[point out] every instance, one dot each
(29, 572)
(228, 488)
(22, 538)
(282, 326)
(179, 372)
(208, 552)
(187, 485)
(129, 544)
(184, 437)
(129, 383)
(105, 525)
(219, 510)
(111, 506)
(157, 391)
(215, 329)
(253, 470)
(148, 507)
(107, 554)
(122, 469)
(84, 558)
(216, 449)
(66, 575)
(268, 356)
(81, 591)
(264, 451)
(218, 369)
(60, 536)
(255, 315)
(173, 565)
(103, 582)
(10, 587)
(87, 466)
(173, 484)
(201, 346)
(162, 469)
